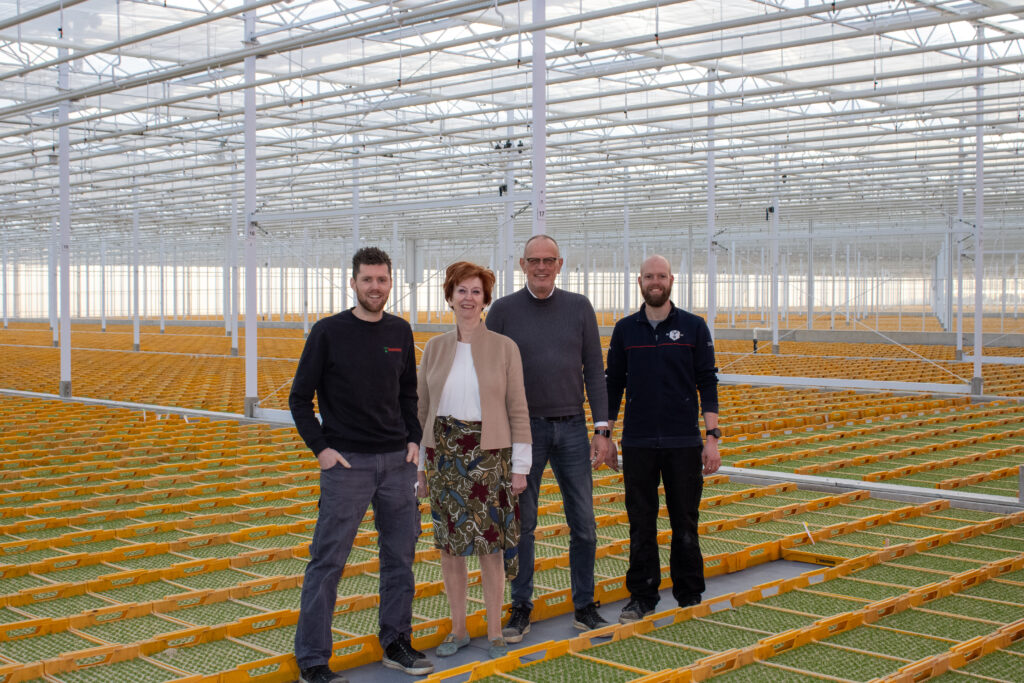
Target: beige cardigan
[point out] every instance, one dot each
(499, 371)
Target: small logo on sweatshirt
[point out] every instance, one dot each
(674, 335)
(392, 349)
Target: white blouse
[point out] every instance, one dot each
(461, 399)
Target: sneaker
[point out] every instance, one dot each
(320, 674)
(498, 648)
(635, 610)
(450, 645)
(518, 624)
(690, 600)
(587, 618)
(401, 655)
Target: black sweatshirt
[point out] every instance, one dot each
(364, 377)
(662, 371)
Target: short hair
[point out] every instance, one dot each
(370, 256)
(460, 271)
(541, 236)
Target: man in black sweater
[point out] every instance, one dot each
(558, 339)
(361, 365)
(663, 357)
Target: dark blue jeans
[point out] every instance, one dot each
(681, 470)
(567, 447)
(386, 481)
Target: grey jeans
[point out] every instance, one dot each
(385, 481)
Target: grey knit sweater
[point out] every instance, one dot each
(561, 349)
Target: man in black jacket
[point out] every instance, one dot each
(361, 365)
(663, 358)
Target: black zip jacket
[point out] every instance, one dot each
(662, 370)
(364, 377)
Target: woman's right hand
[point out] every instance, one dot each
(421, 484)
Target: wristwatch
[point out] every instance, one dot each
(716, 432)
(603, 431)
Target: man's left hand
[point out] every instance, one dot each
(412, 453)
(603, 452)
(712, 460)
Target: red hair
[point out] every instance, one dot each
(460, 271)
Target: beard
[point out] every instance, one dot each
(656, 300)
(369, 304)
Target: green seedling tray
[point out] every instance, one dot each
(830, 661)
(945, 564)
(857, 589)
(645, 654)
(143, 592)
(571, 668)
(126, 631)
(886, 642)
(285, 567)
(209, 658)
(761, 618)
(279, 640)
(759, 672)
(707, 635)
(900, 576)
(1002, 666)
(135, 670)
(812, 603)
(65, 607)
(43, 647)
(998, 590)
(213, 614)
(953, 628)
(961, 605)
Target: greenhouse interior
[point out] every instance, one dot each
(837, 188)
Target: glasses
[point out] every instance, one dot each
(547, 261)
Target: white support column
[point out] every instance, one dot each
(251, 343)
(832, 277)
(948, 303)
(5, 292)
(712, 254)
(732, 284)
(236, 272)
(924, 283)
(54, 292)
(689, 268)
(539, 127)
(977, 385)
(412, 278)
(626, 288)
(226, 283)
(774, 266)
(64, 191)
(397, 305)
(586, 266)
(810, 275)
(103, 285)
(959, 257)
(135, 271)
(847, 291)
(163, 292)
(305, 283)
(174, 283)
(1016, 284)
(355, 197)
(899, 285)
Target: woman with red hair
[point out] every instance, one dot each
(476, 436)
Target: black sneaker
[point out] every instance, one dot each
(635, 610)
(587, 618)
(401, 655)
(518, 624)
(690, 600)
(320, 674)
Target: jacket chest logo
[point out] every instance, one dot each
(674, 335)
(392, 349)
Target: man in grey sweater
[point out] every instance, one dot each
(557, 335)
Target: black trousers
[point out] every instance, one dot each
(681, 469)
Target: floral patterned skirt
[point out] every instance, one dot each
(471, 501)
